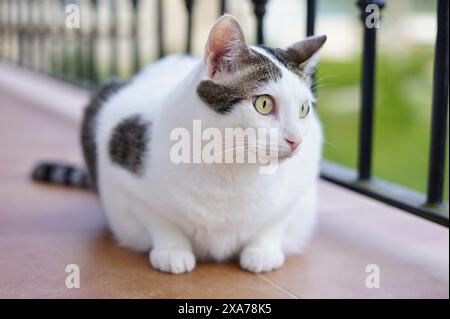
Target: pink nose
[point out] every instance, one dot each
(292, 144)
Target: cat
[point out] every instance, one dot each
(182, 213)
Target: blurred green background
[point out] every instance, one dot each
(403, 97)
(402, 122)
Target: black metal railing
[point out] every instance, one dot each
(33, 39)
(432, 206)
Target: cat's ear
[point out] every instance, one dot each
(302, 54)
(226, 47)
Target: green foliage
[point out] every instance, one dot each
(402, 115)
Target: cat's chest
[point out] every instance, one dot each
(221, 203)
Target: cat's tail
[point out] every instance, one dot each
(62, 174)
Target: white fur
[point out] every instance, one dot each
(183, 212)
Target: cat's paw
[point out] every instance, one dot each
(173, 260)
(261, 259)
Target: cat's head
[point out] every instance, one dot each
(260, 87)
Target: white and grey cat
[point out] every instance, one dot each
(181, 213)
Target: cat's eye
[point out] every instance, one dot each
(263, 104)
(304, 109)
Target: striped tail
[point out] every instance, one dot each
(62, 174)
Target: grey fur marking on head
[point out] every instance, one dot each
(89, 125)
(286, 58)
(129, 144)
(254, 72)
(297, 55)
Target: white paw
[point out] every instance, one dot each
(173, 260)
(258, 259)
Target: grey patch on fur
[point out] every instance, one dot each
(294, 57)
(98, 99)
(277, 54)
(287, 58)
(255, 71)
(129, 144)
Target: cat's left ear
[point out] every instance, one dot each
(225, 49)
(302, 57)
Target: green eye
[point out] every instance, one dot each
(304, 109)
(263, 104)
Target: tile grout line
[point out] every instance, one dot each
(287, 291)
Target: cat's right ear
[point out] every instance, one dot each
(226, 47)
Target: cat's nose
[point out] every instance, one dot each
(293, 144)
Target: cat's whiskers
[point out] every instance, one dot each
(249, 145)
(318, 80)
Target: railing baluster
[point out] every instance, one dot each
(5, 28)
(79, 50)
(189, 8)
(63, 41)
(92, 43)
(160, 27)
(368, 92)
(40, 33)
(311, 9)
(260, 11)
(27, 36)
(43, 23)
(56, 38)
(34, 31)
(440, 108)
(52, 63)
(13, 34)
(113, 42)
(21, 35)
(14, 31)
(14, 28)
(37, 29)
(223, 7)
(136, 47)
(48, 35)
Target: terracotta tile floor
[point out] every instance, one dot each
(44, 228)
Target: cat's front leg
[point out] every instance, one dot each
(172, 251)
(263, 252)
